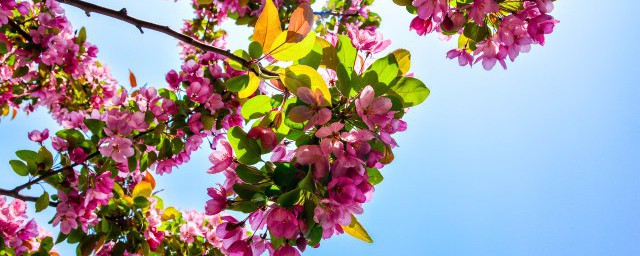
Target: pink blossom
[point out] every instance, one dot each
(39, 137)
(315, 112)
(78, 155)
(421, 26)
(282, 223)
(117, 148)
(199, 92)
(464, 58)
(329, 214)
(286, 250)
(218, 201)
(373, 111)
(312, 154)
(281, 154)
(173, 79)
(481, 8)
(330, 138)
(222, 157)
(367, 39)
(343, 191)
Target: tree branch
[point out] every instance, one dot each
(14, 194)
(140, 24)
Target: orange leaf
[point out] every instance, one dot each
(300, 23)
(268, 26)
(132, 79)
(149, 178)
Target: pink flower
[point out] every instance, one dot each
(330, 138)
(66, 217)
(481, 8)
(38, 136)
(240, 248)
(78, 155)
(221, 158)
(422, 27)
(282, 223)
(218, 201)
(286, 250)
(329, 214)
(428, 9)
(173, 79)
(343, 191)
(117, 148)
(464, 58)
(545, 6)
(373, 111)
(367, 39)
(280, 154)
(312, 154)
(198, 92)
(315, 113)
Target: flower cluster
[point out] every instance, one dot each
(19, 235)
(489, 31)
(299, 124)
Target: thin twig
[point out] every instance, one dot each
(140, 24)
(23, 197)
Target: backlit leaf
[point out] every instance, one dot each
(290, 51)
(298, 76)
(268, 26)
(356, 230)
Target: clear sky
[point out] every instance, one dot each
(542, 159)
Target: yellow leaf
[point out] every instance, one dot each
(355, 229)
(170, 213)
(143, 189)
(298, 76)
(300, 23)
(128, 199)
(329, 54)
(254, 83)
(268, 26)
(403, 57)
(132, 79)
(285, 51)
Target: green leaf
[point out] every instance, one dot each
(42, 202)
(411, 90)
(141, 202)
(380, 74)
(236, 84)
(20, 72)
(3, 49)
(46, 245)
(307, 184)
(356, 230)
(403, 57)
(346, 60)
(44, 157)
(236, 65)
(288, 199)
(284, 175)
(375, 177)
(255, 50)
(95, 126)
(82, 36)
(19, 167)
(27, 155)
(247, 150)
(249, 174)
(256, 107)
(246, 191)
(475, 32)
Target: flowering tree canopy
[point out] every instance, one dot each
(299, 124)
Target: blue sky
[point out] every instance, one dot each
(542, 159)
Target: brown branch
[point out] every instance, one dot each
(23, 197)
(140, 24)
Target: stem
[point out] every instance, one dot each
(14, 194)
(123, 16)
